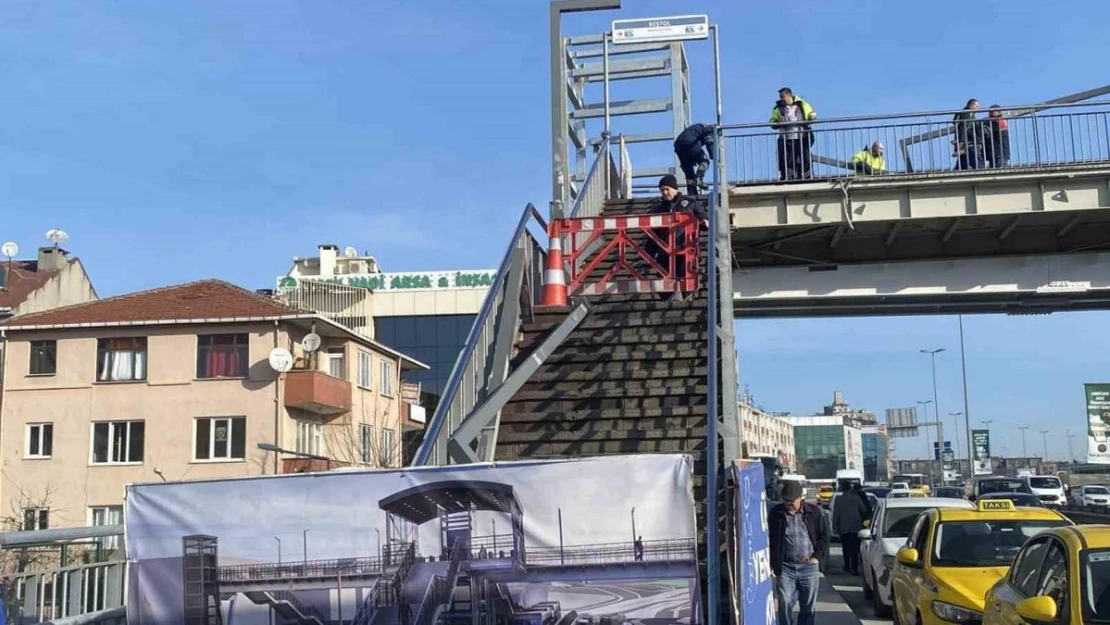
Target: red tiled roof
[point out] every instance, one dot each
(206, 299)
(23, 279)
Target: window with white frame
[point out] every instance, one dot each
(366, 442)
(107, 515)
(387, 378)
(365, 369)
(121, 360)
(40, 440)
(118, 442)
(387, 454)
(36, 519)
(310, 438)
(220, 438)
(337, 362)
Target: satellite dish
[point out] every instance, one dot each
(10, 249)
(281, 360)
(57, 236)
(311, 342)
(350, 252)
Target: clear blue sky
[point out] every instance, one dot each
(177, 141)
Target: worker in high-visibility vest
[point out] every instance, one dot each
(789, 117)
(870, 161)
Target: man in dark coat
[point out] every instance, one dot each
(691, 148)
(672, 201)
(998, 138)
(798, 538)
(848, 515)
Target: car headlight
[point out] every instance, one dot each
(955, 613)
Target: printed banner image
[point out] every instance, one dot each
(599, 541)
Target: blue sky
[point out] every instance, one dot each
(178, 141)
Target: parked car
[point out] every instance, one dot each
(890, 527)
(949, 492)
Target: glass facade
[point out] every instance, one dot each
(875, 464)
(819, 450)
(434, 340)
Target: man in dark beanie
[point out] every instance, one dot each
(672, 201)
(798, 537)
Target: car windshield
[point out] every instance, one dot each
(984, 543)
(1045, 482)
(879, 492)
(898, 522)
(1003, 486)
(1096, 490)
(1096, 585)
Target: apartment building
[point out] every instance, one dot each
(175, 384)
(51, 280)
(765, 433)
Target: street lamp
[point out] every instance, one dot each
(379, 533)
(925, 407)
(279, 550)
(936, 408)
(304, 534)
(1071, 450)
(1024, 453)
(1044, 436)
(300, 454)
(956, 421)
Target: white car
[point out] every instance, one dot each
(1048, 489)
(1091, 496)
(890, 527)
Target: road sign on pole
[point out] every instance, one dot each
(650, 29)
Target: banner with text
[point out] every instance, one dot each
(1098, 422)
(981, 443)
(600, 538)
(756, 592)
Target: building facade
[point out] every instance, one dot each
(52, 280)
(766, 434)
(825, 444)
(876, 453)
(176, 384)
(426, 315)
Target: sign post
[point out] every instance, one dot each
(981, 445)
(1098, 423)
(656, 29)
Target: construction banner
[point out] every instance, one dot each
(530, 543)
(1098, 422)
(981, 443)
(755, 590)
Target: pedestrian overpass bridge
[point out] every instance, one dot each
(1029, 237)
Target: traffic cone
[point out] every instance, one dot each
(554, 278)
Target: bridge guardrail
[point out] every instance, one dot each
(925, 144)
(299, 570)
(68, 591)
(654, 551)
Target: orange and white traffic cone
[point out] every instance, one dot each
(554, 278)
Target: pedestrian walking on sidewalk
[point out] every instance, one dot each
(848, 515)
(799, 543)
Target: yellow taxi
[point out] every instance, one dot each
(825, 495)
(953, 556)
(1060, 576)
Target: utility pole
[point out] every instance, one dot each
(1024, 453)
(1044, 436)
(279, 550)
(928, 448)
(1071, 451)
(956, 443)
(967, 410)
(936, 410)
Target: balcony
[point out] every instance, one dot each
(317, 392)
(310, 465)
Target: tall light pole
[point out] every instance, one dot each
(1071, 451)
(936, 404)
(1024, 453)
(633, 525)
(967, 410)
(1044, 436)
(379, 533)
(928, 448)
(304, 534)
(279, 550)
(956, 443)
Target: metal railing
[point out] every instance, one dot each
(112, 616)
(346, 305)
(482, 364)
(494, 546)
(654, 551)
(68, 591)
(440, 590)
(307, 612)
(312, 569)
(605, 180)
(923, 144)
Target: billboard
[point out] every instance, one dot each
(1098, 422)
(901, 422)
(981, 442)
(757, 598)
(602, 538)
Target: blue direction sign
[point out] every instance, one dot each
(675, 28)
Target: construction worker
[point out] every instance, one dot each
(693, 159)
(869, 161)
(795, 136)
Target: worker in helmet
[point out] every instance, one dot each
(870, 161)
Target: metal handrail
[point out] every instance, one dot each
(440, 589)
(596, 187)
(465, 362)
(306, 611)
(295, 569)
(1023, 109)
(683, 550)
(73, 590)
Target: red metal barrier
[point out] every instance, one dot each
(623, 239)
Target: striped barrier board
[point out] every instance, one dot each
(616, 287)
(638, 222)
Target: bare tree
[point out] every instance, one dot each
(346, 442)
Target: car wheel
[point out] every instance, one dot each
(867, 592)
(881, 609)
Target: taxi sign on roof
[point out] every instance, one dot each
(996, 505)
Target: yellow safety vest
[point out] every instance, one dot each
(877, 163)
(807, 110)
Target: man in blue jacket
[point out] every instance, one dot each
(691, 147)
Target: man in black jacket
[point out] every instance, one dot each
(798, 537)
(688, 147)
